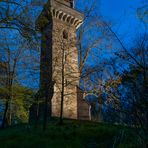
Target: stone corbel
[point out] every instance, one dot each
(73, 21)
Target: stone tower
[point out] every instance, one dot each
(58, 23)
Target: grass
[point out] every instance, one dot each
(72, 134)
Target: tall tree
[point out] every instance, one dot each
(16, 55)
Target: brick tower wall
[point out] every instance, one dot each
(58, 23)
(71, 75)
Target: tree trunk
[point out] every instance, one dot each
(62, 92)
(9, 116)
(37, 115)
(61, 112)
(4, 121)
(45, 112)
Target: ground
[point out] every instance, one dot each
(72, 134)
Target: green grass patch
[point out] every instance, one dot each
(72, 134)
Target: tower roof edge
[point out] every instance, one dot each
(56, 5)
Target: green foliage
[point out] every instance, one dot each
(21, 100)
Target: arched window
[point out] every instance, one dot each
(65, 34)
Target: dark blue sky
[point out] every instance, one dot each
(122, 14)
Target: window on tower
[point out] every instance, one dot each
(65, 34)
(65, 57)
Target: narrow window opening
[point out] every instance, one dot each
(65, 57)
(65, 34)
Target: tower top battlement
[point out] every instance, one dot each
(62, 10)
